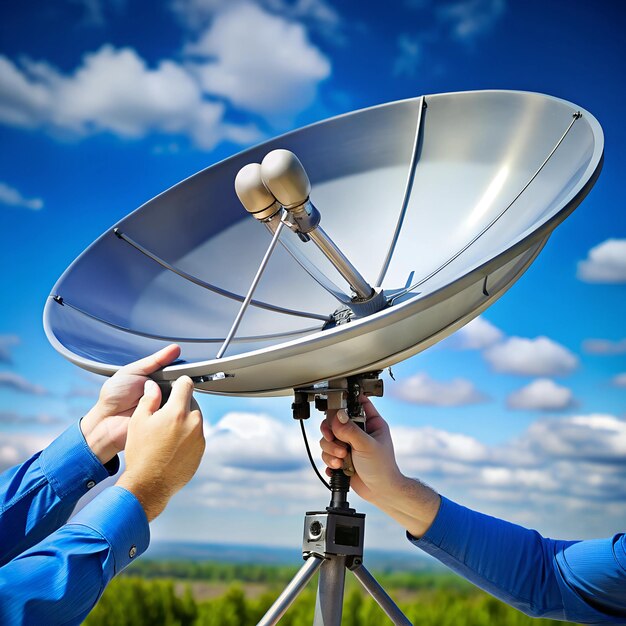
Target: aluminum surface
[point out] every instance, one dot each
(491, 174)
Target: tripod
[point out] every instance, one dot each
(333, 538)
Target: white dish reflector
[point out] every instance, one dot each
(443, 201)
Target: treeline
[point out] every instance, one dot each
(131, 601)
(218, 572)
(212, 571)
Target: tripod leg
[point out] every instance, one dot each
(372, 586)
(291, 591)
(330, 585)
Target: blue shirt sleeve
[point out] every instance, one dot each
(593, 573)
(38, 496)
(580, 581)
(59, 580)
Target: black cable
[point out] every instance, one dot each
(308, 451)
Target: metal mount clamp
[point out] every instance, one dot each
(332, 533)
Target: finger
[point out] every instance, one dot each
(151, 399)
(154, 362)
(181, 395)
(195, 417)
(375, 422)
(336, 448)
(348, 466)
(350, 433)
(368, 407)
(327, 433)
(342, 416)
(332, 461)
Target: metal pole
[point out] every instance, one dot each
(407, 193)
(317, 275)
(291, 591)
(246, 302)
(330, 586)
(372, 586)
(361, 287)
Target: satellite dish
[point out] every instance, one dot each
(439, 203)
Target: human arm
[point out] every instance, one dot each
(577, 581)
(38, 496)
(59, 580)
(164, 446)
(378, 479)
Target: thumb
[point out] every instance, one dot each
(347, 431)
(150, 401)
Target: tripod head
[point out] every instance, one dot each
(341, 393)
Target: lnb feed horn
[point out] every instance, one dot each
(281, 181)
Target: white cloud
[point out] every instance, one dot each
(421, 389)
(245, 57)
(6, 343)
(470, 19)
(24, 99)
(254, 442)
(196, 14)
(506, 477)
(462, 21)
(408, 57)
(567, 457)
(317, 14)
(598, 438)
(531, 357)
(605, 263)
(619, 380)
(13, 418)
(420, 443)
(541, 395)
(476, 335)
(259, 62)
(255, 463)
(17, 448)
(556, 467)
(12, 197)
(15, 382)
(113, 91)
(604, 346)
(9, 456)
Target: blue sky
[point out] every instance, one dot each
(105, 104)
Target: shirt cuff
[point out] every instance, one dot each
(70, 465)
(119, 518)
